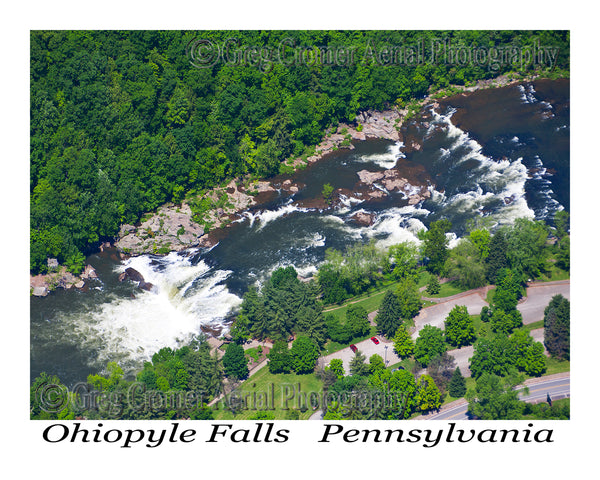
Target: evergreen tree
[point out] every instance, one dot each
(433, 286)
(359, 366)
(557, 327)
(403, 343)
(496, 259)
(428, 394)
(458, 386)
(435, 246)
(388, 316)
(235, 362)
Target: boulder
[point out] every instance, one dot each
(40, 291)
(134, 275)
(149, 287)
(89, 272)
(52, 264)
(363, 218)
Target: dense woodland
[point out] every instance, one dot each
(121, 122)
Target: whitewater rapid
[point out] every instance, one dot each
(204, 288)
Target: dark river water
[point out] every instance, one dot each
(492, 156)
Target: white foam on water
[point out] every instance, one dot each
(131, 330)
(527, 94)
(503, 180)
(385, 160)
(264, 217)
(347, 203)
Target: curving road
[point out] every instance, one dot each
(557, 386)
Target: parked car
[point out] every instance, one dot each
(353, 348)
(375, 341)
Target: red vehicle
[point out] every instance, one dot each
(375, 341)
(353, 348)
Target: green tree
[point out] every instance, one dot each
(376, 363)
(279, 358)
(492, 355)
(458, 386)
(430, 343)
(409, 298)
(337, 367)
(561, 221)
(497, 256)
(458, 327)
(337, 331)
(235, 362)
(404, 257)
(433, 286)
(428, 394)
(388, 316)
(557, 327)
(481, 239)
(495, 398)
(465, 264)
(327, 192)
(358, 365)
(304, 354)
(502, 322)
(435, 245)
(357, 320)
(403, 343)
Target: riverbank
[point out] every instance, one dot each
(203, 220)
(176, 227)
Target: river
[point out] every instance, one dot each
(492, 155)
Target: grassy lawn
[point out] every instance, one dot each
(370, 302)
(332, 347)
(273, 393)
(557, 366)
(554, 274)
(447, 289)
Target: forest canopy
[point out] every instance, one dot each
(124, 121)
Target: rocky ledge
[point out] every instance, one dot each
(177, 227)
(58, 277)
(377, 183)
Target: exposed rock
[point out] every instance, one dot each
(126, 229)
(89, 273)
(123, 277)
(149, 287)
(52, 264)
(369, 177)
(80, 284)
(134, 275)
(40, 291)
(363, 218)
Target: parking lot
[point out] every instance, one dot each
(368, 348)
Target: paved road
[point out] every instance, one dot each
(558, 386)
(368, 348)
(436, 314)
(538, 298)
